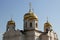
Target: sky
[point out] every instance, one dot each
(16, 9)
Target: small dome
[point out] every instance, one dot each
(47, 24)
(11, 22)
(30, 15)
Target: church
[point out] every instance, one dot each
(30, 29)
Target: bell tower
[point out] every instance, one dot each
(10, 25)
(30, 20)
(47, 26)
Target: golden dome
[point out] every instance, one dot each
(47, 24)
(11, 22)
(30, 15)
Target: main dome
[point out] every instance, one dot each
(30, 15)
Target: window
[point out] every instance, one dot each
(47, 30)
(30, 24)
(36, 25)
(26, 24)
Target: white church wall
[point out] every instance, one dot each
(30, 35)
(37, 34)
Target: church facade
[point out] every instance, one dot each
(30, 31)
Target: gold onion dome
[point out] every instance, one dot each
(30, 14)
(47, 24)
(11, 22)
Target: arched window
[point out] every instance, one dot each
(26, 24)
(36, 25)
(47, 30)
(30, 24)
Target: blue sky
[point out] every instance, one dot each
(42, 8)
